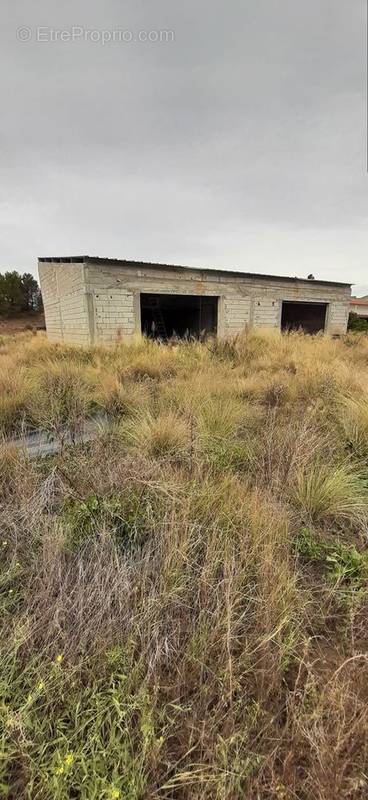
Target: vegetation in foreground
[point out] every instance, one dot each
(184, 600)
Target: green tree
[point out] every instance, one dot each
(357, 323)
(19, 293)
(31, 292)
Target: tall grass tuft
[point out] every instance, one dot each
(61, 396)
(165, 435)
(338, 493)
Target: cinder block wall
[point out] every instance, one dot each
(100, 302)
(243, 301)
(65, 301)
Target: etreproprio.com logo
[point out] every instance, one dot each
(100, 36)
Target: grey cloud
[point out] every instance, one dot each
(242, 141)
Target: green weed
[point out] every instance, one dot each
(127, 517)
(343, 563)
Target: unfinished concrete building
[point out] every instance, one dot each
(102, 300)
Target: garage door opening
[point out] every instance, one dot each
(309, 317)
(167, 315)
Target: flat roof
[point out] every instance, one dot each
(180, 268)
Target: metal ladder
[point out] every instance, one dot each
(158, 319)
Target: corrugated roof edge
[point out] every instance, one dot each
(180, 268)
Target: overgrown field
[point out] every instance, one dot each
(184, 601)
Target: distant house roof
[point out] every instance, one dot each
(179, 268)
(359, 301)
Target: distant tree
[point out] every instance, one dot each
(31, 292)
(19, 293)
(357, 323)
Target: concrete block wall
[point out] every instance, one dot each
(237, 315)
(337, 317)
(99, 301)
(115, 293)
(47, 276)
(266, 312)
(65, 302)
(113, 315)
(243, 300)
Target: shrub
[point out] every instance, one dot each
(357, 323)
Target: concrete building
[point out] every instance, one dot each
(95, 300)
(359, 305)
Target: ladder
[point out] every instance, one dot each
(158, 322)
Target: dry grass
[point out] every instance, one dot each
(184, 600)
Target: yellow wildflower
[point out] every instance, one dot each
(69, 759)
(59, 658)
(115, 794)
(40, 686)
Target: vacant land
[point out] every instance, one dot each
(184, 601)
(22, 322)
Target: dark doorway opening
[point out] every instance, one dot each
(310, 317)
(167, 315)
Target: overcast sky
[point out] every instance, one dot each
(239, 143)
